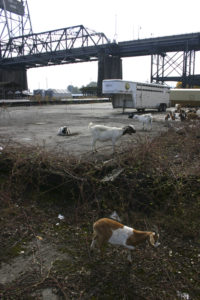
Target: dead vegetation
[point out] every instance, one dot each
(156, 182)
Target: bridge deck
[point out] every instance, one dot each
(40, 51)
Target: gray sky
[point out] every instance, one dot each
(127, 20)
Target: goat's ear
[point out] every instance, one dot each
(151, 238)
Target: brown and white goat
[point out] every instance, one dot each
(110, 231)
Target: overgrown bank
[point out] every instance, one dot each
(156, 182)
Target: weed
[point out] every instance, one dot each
(154, 182)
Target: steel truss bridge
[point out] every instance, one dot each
(62, 46)
(172, 57)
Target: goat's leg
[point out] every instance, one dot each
(129, 257)
(99, 242)
(102, 250)
(113, 146)
(94, 242)
(102, 245)
(94, 146)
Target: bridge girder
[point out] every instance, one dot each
(176, 66)
(78, 44)
(53, 41)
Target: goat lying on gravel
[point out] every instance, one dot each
(110, 231)
(63, 131)
(105, 133)
(145, 119)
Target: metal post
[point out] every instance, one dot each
(157, 76)
(4, 4)
(151, 75)
(163, 63)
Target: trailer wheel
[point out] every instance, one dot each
(162, 107)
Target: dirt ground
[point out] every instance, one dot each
(45, 237)
(38, 125)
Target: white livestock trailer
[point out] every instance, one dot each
(141, 96)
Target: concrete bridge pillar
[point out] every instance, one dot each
(109, 67)
(13, 80)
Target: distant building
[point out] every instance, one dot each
(89, 90)
(39, 92)
(57, 94)
(53, 93)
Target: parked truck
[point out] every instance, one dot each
(128, 94)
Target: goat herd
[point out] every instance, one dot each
(109, 231)
(183, 114)
(104, 133)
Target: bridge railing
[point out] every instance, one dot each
(51, 41)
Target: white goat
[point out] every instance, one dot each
(110, 231)
(105, 133)
(145, 119)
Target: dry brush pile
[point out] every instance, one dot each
(154, 182)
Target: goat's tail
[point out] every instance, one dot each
(90, 125)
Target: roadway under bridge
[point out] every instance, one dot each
(172, 57)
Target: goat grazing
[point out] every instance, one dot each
(105, 133)
(172, 115)
(183, 115)
(110, 231)
(177, 108)
(145, 119)
(63, 131)
(192, 116)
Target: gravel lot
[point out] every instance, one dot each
(38, 125)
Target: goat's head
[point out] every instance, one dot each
(130, 116)
(130, 129)
(154, 237)
(167, 116)
(64, 130)
(135, 117)
(182, 115)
